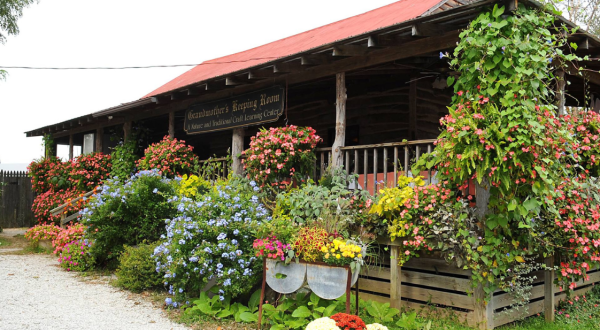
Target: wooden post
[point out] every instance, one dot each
(484, 312)
(126, 131)
(395, 278)
(549, 290)
(70, 146)
(237, 147)
(412, 110)
(337, 156)
(560, 92)
(482, 197)
(172, 124)
(99, 138)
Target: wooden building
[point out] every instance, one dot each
(366, 84)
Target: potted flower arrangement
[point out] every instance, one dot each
(279, 155)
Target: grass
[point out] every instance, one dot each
(5, 242)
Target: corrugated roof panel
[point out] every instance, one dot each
(389, 15)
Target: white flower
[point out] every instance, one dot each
(323, 323)
(376, 326)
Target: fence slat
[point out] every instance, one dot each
(375, 171)
(365, 168)
(395, 166)
(385, 168)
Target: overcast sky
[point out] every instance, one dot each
(67, 33)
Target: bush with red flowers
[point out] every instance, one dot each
(42, 172)
(88, 171)
(348, 322)
(171, 157)
(280, 153)
(43, 203)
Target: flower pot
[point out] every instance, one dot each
(328, 282)
(284, 278)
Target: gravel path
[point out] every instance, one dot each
(36, 294)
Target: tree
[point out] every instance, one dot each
(585, 13)
(10, 12)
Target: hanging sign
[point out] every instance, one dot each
(254, 108)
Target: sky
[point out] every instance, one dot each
(86, 33)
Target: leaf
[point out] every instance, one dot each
(329, 310)
(498, 11)
(301, 311)
(254, 301)
(450, 81)
(249, 317)
(224, 313)
(519, 259)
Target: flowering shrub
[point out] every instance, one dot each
(211, 239)
(192, 186)
(340, 252)
(41, 172)
(376, 326)
(272, 248)
(348, 322)
(323, 323)
(309, 242)
(89, 170)
(76, 256)
(127, 214)
(280, 153)
(585, 128)
(65, 236)
(170, 157)
(124, 157)
(43, 231)
(44, 202)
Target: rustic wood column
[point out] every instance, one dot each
(395, 278)
(484, 312)
(560, 92)
(237, 147)
(482, 197)
(549, 290)
(172, 124)
(99, 137)
(70, 146)
(337, 156)
(126, 131)
(412, 110)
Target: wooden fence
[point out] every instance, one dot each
(16, 199)
(432, 286)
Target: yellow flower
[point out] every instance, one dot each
(351, 255)
(332, 250)
(327, 256)
(337, 256)
(359, 255)
(323, 249)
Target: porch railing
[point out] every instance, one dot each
(378, 165)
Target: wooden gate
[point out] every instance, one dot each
(16, 198)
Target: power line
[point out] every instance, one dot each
(135, 67)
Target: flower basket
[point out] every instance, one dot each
(329, 282)
(284, 278)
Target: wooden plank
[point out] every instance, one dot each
(429, 311)
(350, 50)
(438, 297)
(483, 311)
(438, 281)
(427, 29)
(375, 171)
(435, 265)
(340, 121)
(367, 296)
(385, 168)
(507, 317)
(506, 299)
(70, 218)
(395, 278)
(376, 286)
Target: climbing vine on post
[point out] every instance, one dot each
(503, 127)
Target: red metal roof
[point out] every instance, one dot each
(389, 15)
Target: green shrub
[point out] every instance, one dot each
(127, 214)
(124, 157)
(136, 270)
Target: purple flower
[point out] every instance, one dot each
(490, 24)
(441, 55)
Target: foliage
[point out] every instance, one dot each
(40, 171)
(124, 157)
(279, 153)
(273, 248)
(502, 131)
(211, 239)
(41, 232)
(76, 256)
(309, 242)
(348, 322)
(582, 12)
(171, 157)
(127, 214)
(382, 312)
(282, 227)
(10, 12)
(331, 206)
(223, 308)
(192, 186)
(137, 270)
(409, 321)
(65, 236)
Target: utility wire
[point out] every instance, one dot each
(134, 67)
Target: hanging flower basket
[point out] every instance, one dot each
(329, 282)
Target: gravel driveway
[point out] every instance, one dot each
(36, 294)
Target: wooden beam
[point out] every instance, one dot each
(172, 124)
(233, 81)
(381, 41)
(261, 74)
(99, 137)
(395, 277)
(560, 92)
(70, 146)
(549, 290)
(584, 44)
(314, 59)
(126, 131)
(512, 5)
(288, 67)
(350, 50)
(427, 30)
(237, 147)
(337, 155)
(412, 110)
(177, 96)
